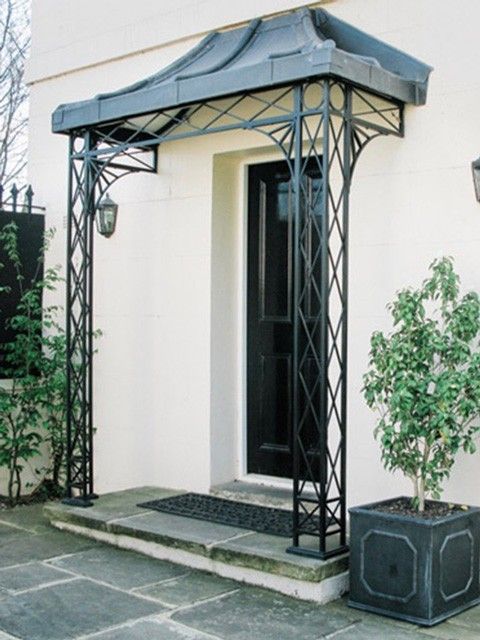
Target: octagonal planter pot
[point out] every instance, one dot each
(413, 568)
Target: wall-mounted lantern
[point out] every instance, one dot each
(106, 216)
(476, 177)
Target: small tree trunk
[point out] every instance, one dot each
(57, 466)
(421, 495)
(18, 480)
(11, 480)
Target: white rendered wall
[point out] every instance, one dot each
(168, 374)
(70, 35)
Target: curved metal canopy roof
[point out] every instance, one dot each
(289, 48)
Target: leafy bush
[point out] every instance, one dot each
(424, 380)
(32, 403)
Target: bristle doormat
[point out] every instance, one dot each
(277, 522)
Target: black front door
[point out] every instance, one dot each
(270, 316)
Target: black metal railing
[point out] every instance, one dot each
(18, 200)
(16, 205)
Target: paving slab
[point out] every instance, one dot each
(184, 533)
(251, 613)
(28, 576)
(120, 568)
(152, 630)
(29, 547)
(69, 610)
(190, 588)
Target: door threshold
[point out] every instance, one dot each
(266, 481)
(259, 489)
(256, 491)
(272, 482)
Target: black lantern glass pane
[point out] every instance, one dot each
(106, 218)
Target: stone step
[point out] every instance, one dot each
(245, 556)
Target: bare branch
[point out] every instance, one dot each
(14, 47)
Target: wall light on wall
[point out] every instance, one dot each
(106, 216)
(476, 177)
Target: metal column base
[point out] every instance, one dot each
(310, 553)
(81, 501)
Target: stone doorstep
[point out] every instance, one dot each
(255, 493)
(230, 552)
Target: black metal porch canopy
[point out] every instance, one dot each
(319, 90)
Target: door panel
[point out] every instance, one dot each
(269, 316)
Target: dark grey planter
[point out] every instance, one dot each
(415, 569)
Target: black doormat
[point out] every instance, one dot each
(276, 522)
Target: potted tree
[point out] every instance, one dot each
(415, 558)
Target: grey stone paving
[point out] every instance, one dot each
(178, 527)
(57, 586)
(69, 610)
(254, 613)
(19, 549)
(122, 569)
(153, 629)
(28, 576)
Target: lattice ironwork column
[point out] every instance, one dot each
(79, 318)
(314, 462)
(94, 167)
(334, 123)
